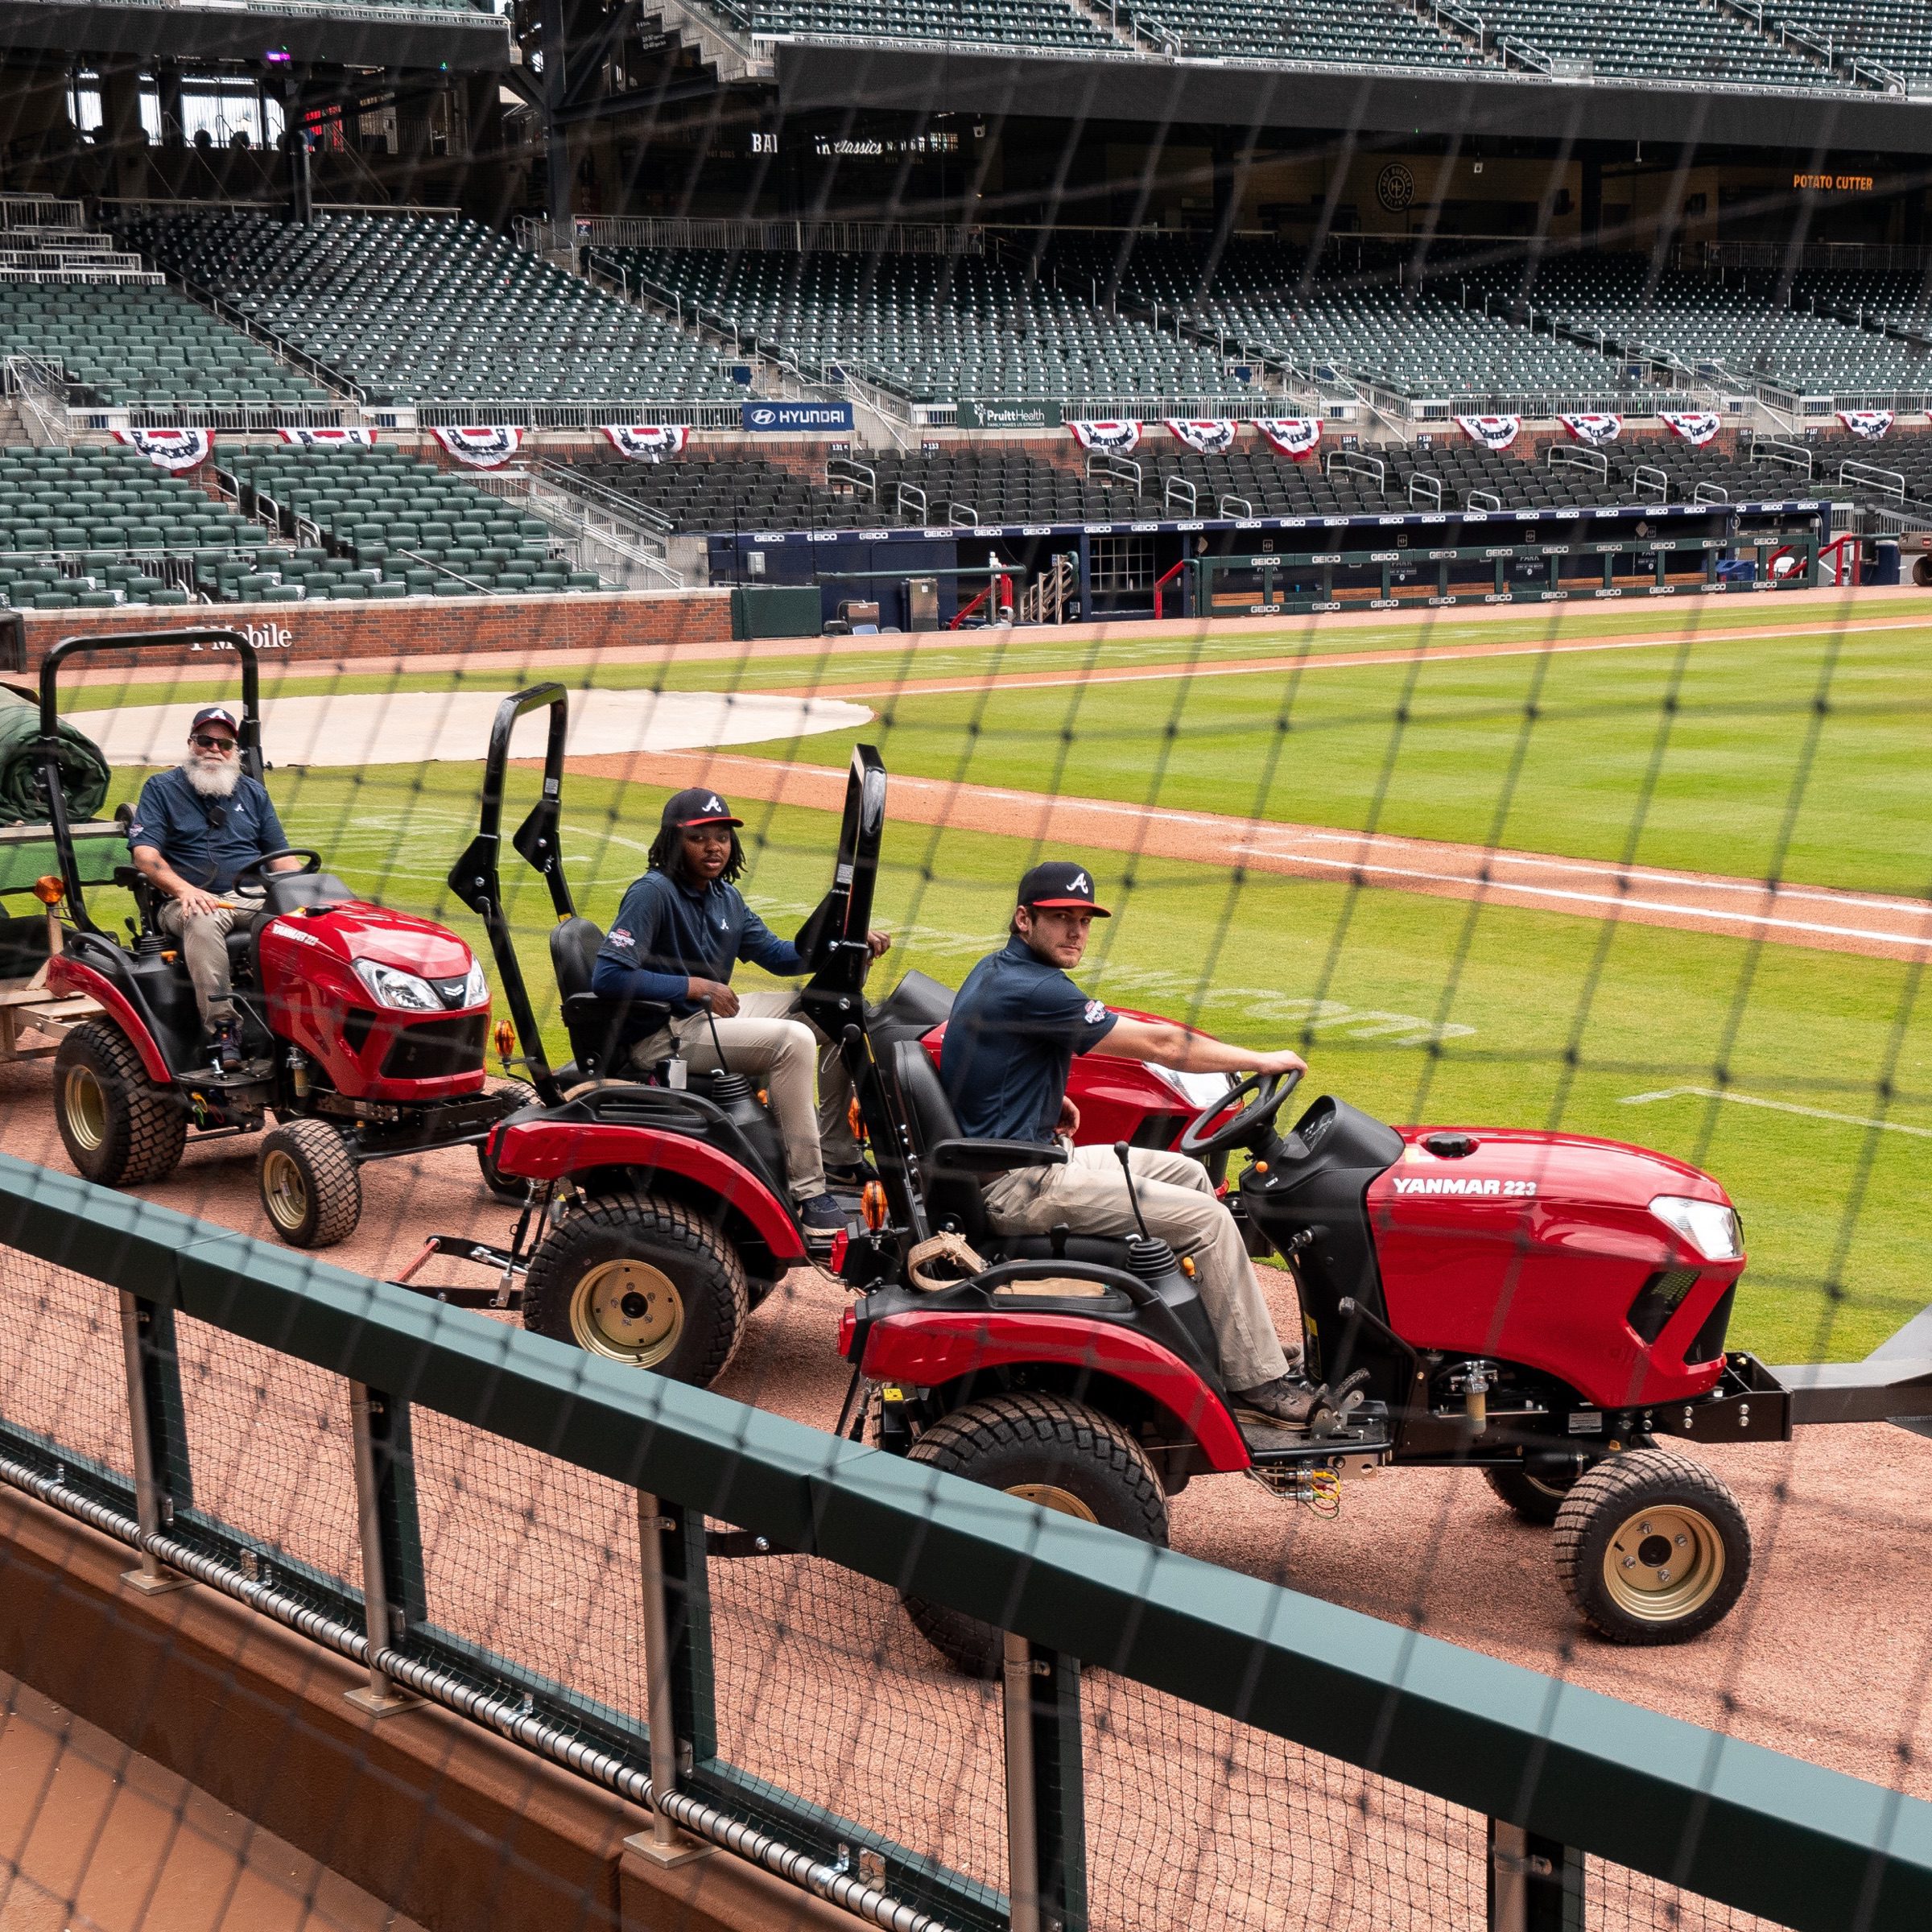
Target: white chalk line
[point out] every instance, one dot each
(1751, 1099)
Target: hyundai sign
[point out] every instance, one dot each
(795, 418)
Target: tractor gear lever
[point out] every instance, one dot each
(1147, 1255)
(1120, 1152)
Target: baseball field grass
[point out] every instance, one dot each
(1412, 1007)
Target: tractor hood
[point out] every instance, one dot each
(360, 932)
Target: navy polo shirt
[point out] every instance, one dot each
(665, 933)
(206, 841)
(1009, 1044)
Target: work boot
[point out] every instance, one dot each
(1288, 1398)
(225, 1046)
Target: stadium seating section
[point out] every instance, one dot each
(420, 310)
(389, 525)
(1375, 33)
(89, 528)
(1011, 23)
(1676, 39)
(1895, 34)
(129, 343)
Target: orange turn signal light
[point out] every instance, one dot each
(505, 1038)
(855, 1120)
(50, 888)
(872, 1205)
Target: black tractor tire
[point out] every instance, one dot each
(1056, 1452)
(118, 1126)
(310, 1184)
(505, 1188)
(1536, 1494)
(637, 1278)
(1652, 1548)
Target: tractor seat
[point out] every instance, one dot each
(592, 1024)
(302, 891)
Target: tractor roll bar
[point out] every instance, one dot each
(476, 878)
(47, 745)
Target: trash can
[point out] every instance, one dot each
(1881, 565)
(922, 603)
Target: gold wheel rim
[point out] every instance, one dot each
(627, 1311)
(1664, 1564)
(1050, 1495)
(84, 1103)
(284, 1189)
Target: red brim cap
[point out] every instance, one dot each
(1099, 912)
(685, 824)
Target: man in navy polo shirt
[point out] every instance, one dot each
(668, 957)
(194, 828)
(1010, 1041)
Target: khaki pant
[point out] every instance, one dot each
(766, 1038)
(1088, 1195)
(204, 946)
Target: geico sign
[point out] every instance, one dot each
(264, 636)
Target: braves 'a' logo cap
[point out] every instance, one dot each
(696, 806)
(1055, 882)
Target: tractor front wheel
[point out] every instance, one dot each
(1060, 1453)
(1652, 1547)
(310, 1187)
(507, 1188)
(119, 1127)
(638, 1279)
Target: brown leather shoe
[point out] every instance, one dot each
(1286, 1399)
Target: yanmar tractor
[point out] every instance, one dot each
(657, 1212)
(362, 1029)
(1547, 1307)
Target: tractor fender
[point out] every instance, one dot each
(927, 1351)
(552, 1151)
(66, 974)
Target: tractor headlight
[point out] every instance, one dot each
(476, 988)
(1709, 1227)
(391, 986)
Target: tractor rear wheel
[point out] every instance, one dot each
(1048, 1450)
(310, 1187)
(1652, 1548)
(119, 1127)
(637, 1278)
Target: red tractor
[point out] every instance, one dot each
(363, 1031)
(1549, 1308)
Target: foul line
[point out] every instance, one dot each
(1751, 1099)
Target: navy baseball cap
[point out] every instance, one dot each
(214, 714)
(1058, 884)
(695, 806)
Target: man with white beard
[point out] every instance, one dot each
(194, 828)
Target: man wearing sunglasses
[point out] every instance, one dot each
(195, 827)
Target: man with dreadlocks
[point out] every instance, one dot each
(668, 958)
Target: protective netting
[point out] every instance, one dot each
(1617, 1900)
(61, 1373)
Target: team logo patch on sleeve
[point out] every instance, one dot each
(620, 936)
(1096, 1011)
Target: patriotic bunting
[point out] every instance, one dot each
(1212, 437)
(1870, 423)
(172, 448)
(1696, 427)
(486, 447)
(1110, 438)
(1493, 432)
(330, 438)
(647, 442)
(1296, 437)
(1595, 430)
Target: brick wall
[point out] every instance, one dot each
(421, 626)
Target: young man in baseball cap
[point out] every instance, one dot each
(194, 828)
(1010, 1041)
(680, 930)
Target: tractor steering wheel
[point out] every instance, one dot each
(1270, 1090)
(252, 871)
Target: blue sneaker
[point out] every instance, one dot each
(822, 1217)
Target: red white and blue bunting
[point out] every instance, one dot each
(486, 447)
(1493, 432)
(1212, 436)
(1696, 427)
(1295, 436)
(330, 438)
(1593, 429)
(172, 448)
(1870, 423)
(1111, 439)
(647, 442)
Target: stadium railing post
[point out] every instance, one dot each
(1535, 1883)
(385, 1516)
(1046, 1815)
(155, 1427)
(664, 1555)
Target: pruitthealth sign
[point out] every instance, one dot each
(769, 419)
